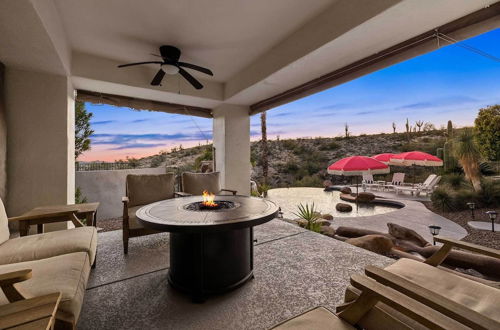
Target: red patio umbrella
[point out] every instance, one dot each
(413, 158)
(384, 158)
(356, 166)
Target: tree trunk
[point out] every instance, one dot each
(264, 147)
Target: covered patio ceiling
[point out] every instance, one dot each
(263, 53)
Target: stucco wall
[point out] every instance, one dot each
(108, 188)
(40, 144)
(3, 138)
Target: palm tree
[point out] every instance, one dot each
(468, 156)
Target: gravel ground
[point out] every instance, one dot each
(109, 224)
(481, 237)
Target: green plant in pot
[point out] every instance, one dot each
(310, 215)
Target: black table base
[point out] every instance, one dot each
(211, 262)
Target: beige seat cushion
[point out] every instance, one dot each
(46, 245)
(66, 273)
(146, 189)
(318, 319)
(196, 183)
(476, 296)
(4, 224)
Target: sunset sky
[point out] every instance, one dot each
(451, 83)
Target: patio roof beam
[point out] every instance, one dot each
(465, 27)
(141, 104)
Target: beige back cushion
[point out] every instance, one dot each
(146, 189)
(195, 183)
(4, 224)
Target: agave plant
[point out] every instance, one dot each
(310, 214)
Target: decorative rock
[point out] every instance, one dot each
(365, 197)
(301, 222)
(346, 190)
(374, 243)
(327, 183)
(327, 230)
(327, 216)
(406, 234)
(323, 222)
(343, 207)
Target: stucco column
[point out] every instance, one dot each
(231, 136)
(40, 140)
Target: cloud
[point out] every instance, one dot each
(102, 122)
(440, 102)
(139, 120)
(130, 141)
(335, 106)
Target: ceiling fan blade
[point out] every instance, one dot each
(158, 78)
(195, 67)
(196, 84)
(139, 63)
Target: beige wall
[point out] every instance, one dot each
(108, 188)
(40, 118)
(231, 135)
(3, 138)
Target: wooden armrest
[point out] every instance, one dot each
(33, 313)
(182, 194)
(373, 292)
(8, 280)
(50, 215)
(229, 190)
(431, 299)
(15, 277)
(469, 246)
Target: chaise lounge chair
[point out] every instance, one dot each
(397, 181)
(368, 182)
(427, 186)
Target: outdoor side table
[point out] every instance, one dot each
(87, 210)
(211, 251)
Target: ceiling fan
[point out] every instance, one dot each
(171, 65)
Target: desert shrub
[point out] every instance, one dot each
(309, 181)
(455, 180)
(441, 198)
(330, 146)
(206, 155)
(290, 167)
(461, 197)
(486, 168)
(489, 195)
(289, 144)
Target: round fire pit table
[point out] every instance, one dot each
(211, 250)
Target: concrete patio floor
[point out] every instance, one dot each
(295, 270)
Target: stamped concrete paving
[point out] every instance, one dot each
(295, 270)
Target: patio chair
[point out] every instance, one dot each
(368, 182)
(141, 190)
(359, 313)
(196, 183)
(397, 181)
(427, 186)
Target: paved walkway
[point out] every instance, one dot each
(295, 270)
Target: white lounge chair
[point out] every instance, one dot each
(427, 186)
(397, 180)
(368, 182)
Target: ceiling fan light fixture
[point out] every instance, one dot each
(170, 69)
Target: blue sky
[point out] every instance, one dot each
(450, 83)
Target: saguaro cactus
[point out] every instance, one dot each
(408, 130)
(449, 161)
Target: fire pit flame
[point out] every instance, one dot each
(208, 199)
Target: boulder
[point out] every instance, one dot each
(343, 207)
(301, 222)
(406, 234)
(365, 197)
(357, 232)
(374, 243)
(327, 216)
(346, 190)
(323, 222)
(327, 230)
(327, 183)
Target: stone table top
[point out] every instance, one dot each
(171, 215)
